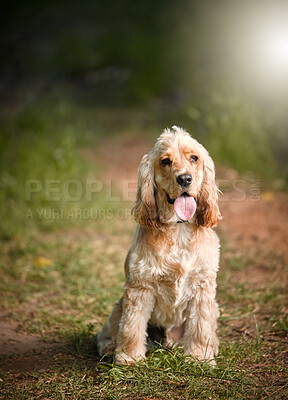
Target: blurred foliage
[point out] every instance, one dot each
(97, 45)
(118, 54)
(235, 135)
(42, 144)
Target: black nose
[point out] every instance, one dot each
(184, 180)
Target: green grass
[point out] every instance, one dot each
(169, 372)
(74, 281)
(241, 373)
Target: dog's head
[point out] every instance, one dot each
(176, 182)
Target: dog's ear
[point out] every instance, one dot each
(208, 213)
(145, 209)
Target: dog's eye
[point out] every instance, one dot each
(194, 159)
(165, 161)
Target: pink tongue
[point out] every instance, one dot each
(185, 207)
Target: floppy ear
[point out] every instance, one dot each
(145, 209)
(208, 213)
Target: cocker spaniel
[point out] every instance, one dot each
(172, 265)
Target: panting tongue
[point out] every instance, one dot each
(185, 207)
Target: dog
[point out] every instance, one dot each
(172, 264)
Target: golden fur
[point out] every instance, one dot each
(171, 267)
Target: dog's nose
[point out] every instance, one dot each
(184, 180)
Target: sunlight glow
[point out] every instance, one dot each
(265, 56)
(275, 50)
(257, 38)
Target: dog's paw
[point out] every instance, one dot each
(126, 359)
(106, 346)
(202, 355)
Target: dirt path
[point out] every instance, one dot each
(14, 341)
(261, 224)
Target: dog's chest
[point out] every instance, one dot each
(172, 293)
(180, 258)
(173, 265)
(176, 280)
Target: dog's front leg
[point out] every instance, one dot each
(200, 339)
(138, 304)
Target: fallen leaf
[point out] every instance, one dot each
(268, 196)
(41, 262)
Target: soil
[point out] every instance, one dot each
(256, 224)
(13, 341)
(252, 220)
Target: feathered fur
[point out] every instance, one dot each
(171, 267)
